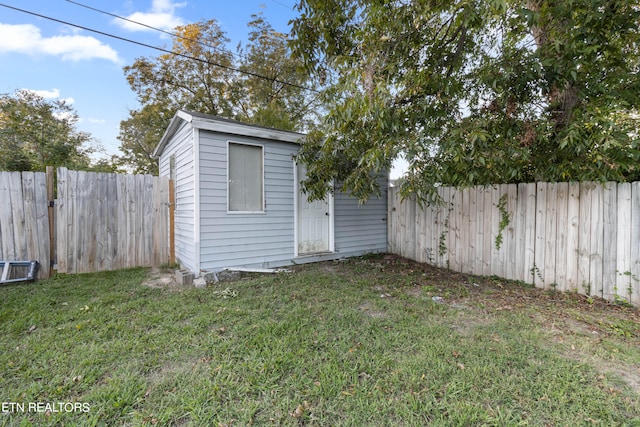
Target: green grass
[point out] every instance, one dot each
(358, 342)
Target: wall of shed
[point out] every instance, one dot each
(181, 145)
(245, 239)
(361, 229)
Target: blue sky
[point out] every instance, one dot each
(85, 68)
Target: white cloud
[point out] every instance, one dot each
(27, 38)
(161, 15)
(46, 93)
(51, 94)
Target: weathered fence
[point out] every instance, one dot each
(566, 236)
(24, 224)
(111, 221)
(99, 221)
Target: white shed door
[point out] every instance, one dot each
(313, 222)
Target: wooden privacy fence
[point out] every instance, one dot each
(582, 237)
(98, 222)
(110, 221)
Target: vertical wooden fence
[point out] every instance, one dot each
(111, 221)
(566, 236)
(101, 221)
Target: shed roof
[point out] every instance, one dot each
(222, 125)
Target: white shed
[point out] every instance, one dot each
(238, 202)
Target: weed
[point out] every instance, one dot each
(504, 219)
(587, 288)
(535, 272)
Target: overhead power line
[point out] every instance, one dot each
(227, 67)
(150, 27)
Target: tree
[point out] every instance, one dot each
(260, 85)
(472, 92)
(270, 89)
(140, 134)
(35, 133)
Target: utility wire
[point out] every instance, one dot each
(283, 5)
(160, 49)
(151, 27)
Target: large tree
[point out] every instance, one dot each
(472, 91)
(259, 84)
(35, 133)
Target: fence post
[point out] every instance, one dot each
(50, 202)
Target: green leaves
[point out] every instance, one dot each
(475, 92)
(35, 133)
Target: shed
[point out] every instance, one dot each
(238, 202)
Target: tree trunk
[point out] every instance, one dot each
(562, 98)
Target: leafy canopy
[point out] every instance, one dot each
(260, 84)
(35, 133)
(472, 91)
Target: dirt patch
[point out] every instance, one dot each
(162, 279)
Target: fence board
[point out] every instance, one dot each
(634, 283)
(464, 219)
(479, 213)
(445, 236)
(29, 214)
(609, 249)
(530, 196)
(540, 245)
(419, 236)
(624, 245)
(584, 237)
(454, 229)
(561, 234)
(550, 239)
(43, 242)
(17, 210)
(100, 226)
(72, 222)
(596, 241)
(511, 243)
(437, 229)
(487, 244)
(520, 233)
(495, 230)
(573, 236)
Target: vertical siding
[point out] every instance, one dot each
(358, 228)
(245, 240)
(181, 145)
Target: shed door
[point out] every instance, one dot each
(314, 222)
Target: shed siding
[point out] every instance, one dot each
(361, 229)
(181, 145)
(265, 239)
(245, 240)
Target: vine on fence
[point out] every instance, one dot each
(504, 219)
(442, 241)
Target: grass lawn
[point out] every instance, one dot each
(360, 342)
